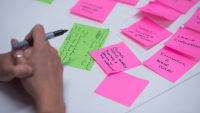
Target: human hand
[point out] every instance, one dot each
(8, 68)
(45, 85)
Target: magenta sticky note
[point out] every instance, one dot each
(170, 64)
(132, 2)
(180, 5)
(161, 10)
(186, 42)
(147, 32)
(115, 58)
(94, 9)
(122, 88)
(194, 21)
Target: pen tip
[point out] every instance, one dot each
(65, 30)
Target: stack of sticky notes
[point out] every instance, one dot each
(168, 9)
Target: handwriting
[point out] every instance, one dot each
(142, 35)
(90, 8)
(79, 43)
(113, 57)
(186, 43)
(176, 60)
(149, 10)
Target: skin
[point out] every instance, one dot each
(43, 76)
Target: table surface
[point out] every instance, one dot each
(19, 16)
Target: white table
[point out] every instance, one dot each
(161, 96)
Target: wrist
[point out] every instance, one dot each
(51, 104)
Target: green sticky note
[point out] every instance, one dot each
(46, 1)
(81, 40)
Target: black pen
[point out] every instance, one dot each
(29, 42)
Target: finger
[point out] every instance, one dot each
(38, 35)
(28, 53)
(21, 71)
(17, 52)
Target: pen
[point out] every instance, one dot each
(29, 42)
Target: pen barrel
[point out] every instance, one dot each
(49, 36)
(22, 44)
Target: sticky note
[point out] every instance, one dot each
(186, 42)
(170, 64)
(81, 40)
(161, 10)
(132, 2)
(147, 32)
(194, 21)
(115, 58)
(180, 5)
(94, 9)
(46, 1)
(122, 88)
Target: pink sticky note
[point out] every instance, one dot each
(186, 42)
(122, 88)
(180, 5)
(132, 2)
(115, 58)
(161, 10)
(170, 64)
(94, 9)
(194, 21)
(147, 32)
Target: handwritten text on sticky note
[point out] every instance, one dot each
(186, 42)
(160, 10)
(115, 58)
(122, 88)
(194, 21)
(147, 32)
(170, 64)
(94, 9)
(80, 41)
(180, 5)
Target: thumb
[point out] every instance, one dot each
(21, 71)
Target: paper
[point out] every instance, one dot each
(147, 32)
(161, 10)
(180, 5)
(80, 41)
(115, 58)
(122, 88)
(170, 64)
(46, 1)
(194, 21)
(132, 2)
(94, 9)
(185, 42)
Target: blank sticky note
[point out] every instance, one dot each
(186, 42)
(180, 5)
(147, 32)
(170, 64)
(161, 10)
(122, 88)
(194, 21)
(115, 58)
(132, 2)
(94, 9)
(81, 40)
(46, 1)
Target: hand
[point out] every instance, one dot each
(8, 69)
(45, 85)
